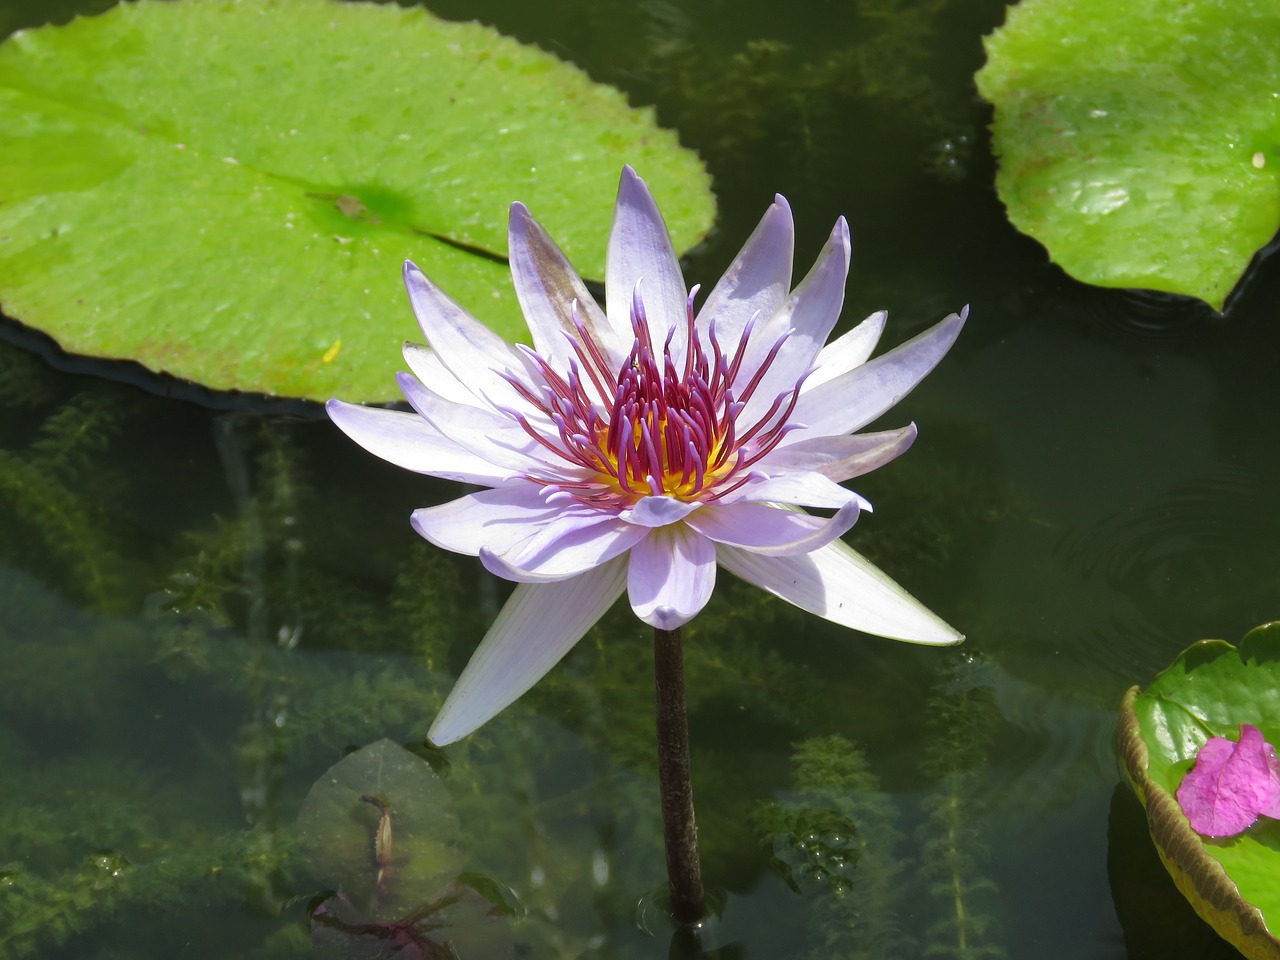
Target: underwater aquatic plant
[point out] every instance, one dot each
(637, 447)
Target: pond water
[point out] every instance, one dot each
(207, 602)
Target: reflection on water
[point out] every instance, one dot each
(202, 612)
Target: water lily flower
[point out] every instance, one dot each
(637, 447)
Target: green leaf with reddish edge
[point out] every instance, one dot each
(225, 190)
(1129, 136)
(1212, 687)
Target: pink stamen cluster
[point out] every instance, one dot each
(653, 428)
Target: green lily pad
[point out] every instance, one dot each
(225, 190)
(379, 827)
(1140, 141)
(1212, 688)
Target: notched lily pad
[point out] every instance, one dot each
(1140, 141)
(224, 190)
(1212, 688)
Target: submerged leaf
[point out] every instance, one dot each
(379, 827)
(460, 923)
(1138, 141)
(247, 230)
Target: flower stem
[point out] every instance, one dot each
(684, 872)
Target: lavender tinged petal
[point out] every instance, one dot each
(757, 281)
(564, 547)
(800, 489)
(640, 249)
(537, 627)
(658, 511)
(498, 519)
(670, 576)
(844, 587)
(770, 530)
(475, 355)
(839, 458)
(547, 286)
(856, 398)
(408, 441)
(809, 314)
(847, 351)
(426, 366)
(478, 429)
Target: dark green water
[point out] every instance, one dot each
(201, 610)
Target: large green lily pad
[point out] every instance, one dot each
(225, 190)
(1140, 141)
(1210, 690)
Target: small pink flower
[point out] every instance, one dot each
(1231, 784)
(634, 449)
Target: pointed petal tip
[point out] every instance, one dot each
(440, 736)
(939, 634)
(536, 627)
(781, 209)
(631, 183)
(519, 221)
(407, 382)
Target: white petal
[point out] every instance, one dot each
(564, 547)
(771, 530)
(426, 366)
(839, 458)
(670, 576)
(658, 511)
(538, 626)
(756, 283)
(842, 586)
(547, 286)
(847, 351)
(640, 249)
(408, 441)
(497, 519)
(856, 398)
(809, 313)
(494, 436)
(800, 489)
(474, 354)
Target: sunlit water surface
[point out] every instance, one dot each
(201, 610)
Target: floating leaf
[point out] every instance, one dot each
(224, 190)
(1207, 692)
(379, 827)
(1140, 141)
